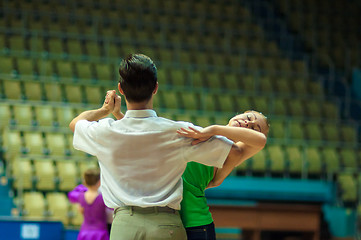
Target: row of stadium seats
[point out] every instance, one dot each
(75, 46)
(51, 206)
(46, 174)
(301, 161)
(192, 101)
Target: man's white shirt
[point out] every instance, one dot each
(142, 158)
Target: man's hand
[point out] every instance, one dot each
(117, 107)
(109, 102)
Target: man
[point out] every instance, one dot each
(141, 156)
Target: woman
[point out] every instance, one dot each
(249, 131)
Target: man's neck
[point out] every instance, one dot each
(140, 106)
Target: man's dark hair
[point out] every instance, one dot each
(138, 77)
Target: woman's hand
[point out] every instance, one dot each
(198, 135)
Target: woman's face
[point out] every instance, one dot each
(252, 120)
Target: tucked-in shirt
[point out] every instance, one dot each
(142, 158)
(194, 208)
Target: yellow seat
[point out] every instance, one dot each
(56, 143)
(58, 206)
(64, 115)
(53, 92)
(22, 174)
(44, 115)
(74, 93)
(77, 217)
(34, 142)
(313, 159)
(23, 114)
(12, 89)
(5, 115)
(94, 94)
(277, 159)
(295, 160)
(33, 90)
(34, 205)
(12, 143)
(65, 70)
(45, 174)
(67, 173)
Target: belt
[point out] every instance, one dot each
(133, 209)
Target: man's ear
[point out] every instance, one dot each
(120, 89)
(155, 89)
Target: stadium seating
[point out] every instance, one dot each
(214, 60)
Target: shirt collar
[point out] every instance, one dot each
(140, 113)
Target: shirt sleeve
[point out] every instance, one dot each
(85, 135)
(211, 153)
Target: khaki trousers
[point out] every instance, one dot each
(152, 223)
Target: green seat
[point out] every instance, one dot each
(53, 91)
(349, 158)
(330, 110)
(296, 130)
(313, 131)
(211, 102)
(45, 174)
(348, 187)
(248, 83)
(283, 85)
(178, 77)
(58, 206)
(23, 115)
(12, 143)
(64, 115)
(22, 174)
(295, 160)
(261, 104)
(213, 80)
(65, 69)
(55, 46)
(56, 144)
(279, 107)
(278, 129)
(34, 143)
(74, 93)
(349, 134)
(313, 109)
(331, 159)
(300, 87)
(84, 70)
(47, 69)
(74, 47)
(105, 72)
(33, 90)
(243, 103)
(12, 89)
(44, 115)
(34, 204)
(231, 81)
(190, 100)
(277, 159)
(198, 79)
(265, 84)
(94, 94)
(259, 163)
(203, 121)
(67, 173)
(296, 107)
(226, 103)
(26, 67)
(314, 160)
(93, 49)
(171, 99)
(331, 131)
(5, 115)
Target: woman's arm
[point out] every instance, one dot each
(247, 140)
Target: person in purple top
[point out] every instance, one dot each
(92, 206)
